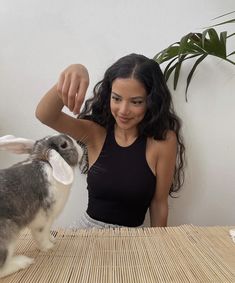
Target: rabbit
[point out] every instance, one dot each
(33, 193)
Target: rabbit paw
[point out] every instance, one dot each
(22, 261)
(48, 245)
(15, 264)
(52, 238)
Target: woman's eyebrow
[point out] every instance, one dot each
(137, 97)
(116, 93)
(133, 97)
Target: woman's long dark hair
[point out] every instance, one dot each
(160, 116)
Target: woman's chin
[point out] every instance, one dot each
(125, 126)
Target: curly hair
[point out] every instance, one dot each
(160, 116)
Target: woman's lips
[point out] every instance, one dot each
(123, 119)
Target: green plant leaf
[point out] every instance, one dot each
(223, 23)
(213, 36)
(232, 62)
(224, 15)
(233, 53)
(223, 37)
(199, 60)
(167, 53)
(209, 42)
(177, 70)
(215, 44)
(170, 70)
(168, 66)
(231, 35)
(183, 43)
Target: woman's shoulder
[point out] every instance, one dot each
(170, 136)
(161, 146)
(162, 151)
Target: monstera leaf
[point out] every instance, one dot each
(193, 45)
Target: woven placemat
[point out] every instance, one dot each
(174, 254)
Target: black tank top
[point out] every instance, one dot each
(120, 183)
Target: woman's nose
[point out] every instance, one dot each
(124, 108)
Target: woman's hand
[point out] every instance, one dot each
(72, 86)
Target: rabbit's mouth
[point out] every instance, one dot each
(42, 155)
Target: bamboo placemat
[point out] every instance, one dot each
(174, 254)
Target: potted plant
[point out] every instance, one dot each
(192, 45)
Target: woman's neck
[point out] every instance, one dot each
(125, 137)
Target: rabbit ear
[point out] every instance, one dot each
(62, 172)
(16, 145)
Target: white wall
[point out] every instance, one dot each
(40, 38)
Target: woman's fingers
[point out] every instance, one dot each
(65, 90)
(60, 84)
(73, 90)
(72, 86)
(79, 98)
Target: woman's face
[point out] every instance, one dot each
(128, 102)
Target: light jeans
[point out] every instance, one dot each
(87, 222)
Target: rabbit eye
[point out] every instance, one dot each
(64, 145)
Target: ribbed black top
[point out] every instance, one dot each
(120, 183)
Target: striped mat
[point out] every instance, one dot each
(180, 254)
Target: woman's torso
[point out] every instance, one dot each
(121, 180)
(96, 142)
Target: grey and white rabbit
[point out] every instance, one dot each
(33, 193)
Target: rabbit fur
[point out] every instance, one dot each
(33, 193)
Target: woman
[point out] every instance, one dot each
(135, 152)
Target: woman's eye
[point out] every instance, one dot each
(137, 102)
(115, 98)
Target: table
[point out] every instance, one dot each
(185, 253)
